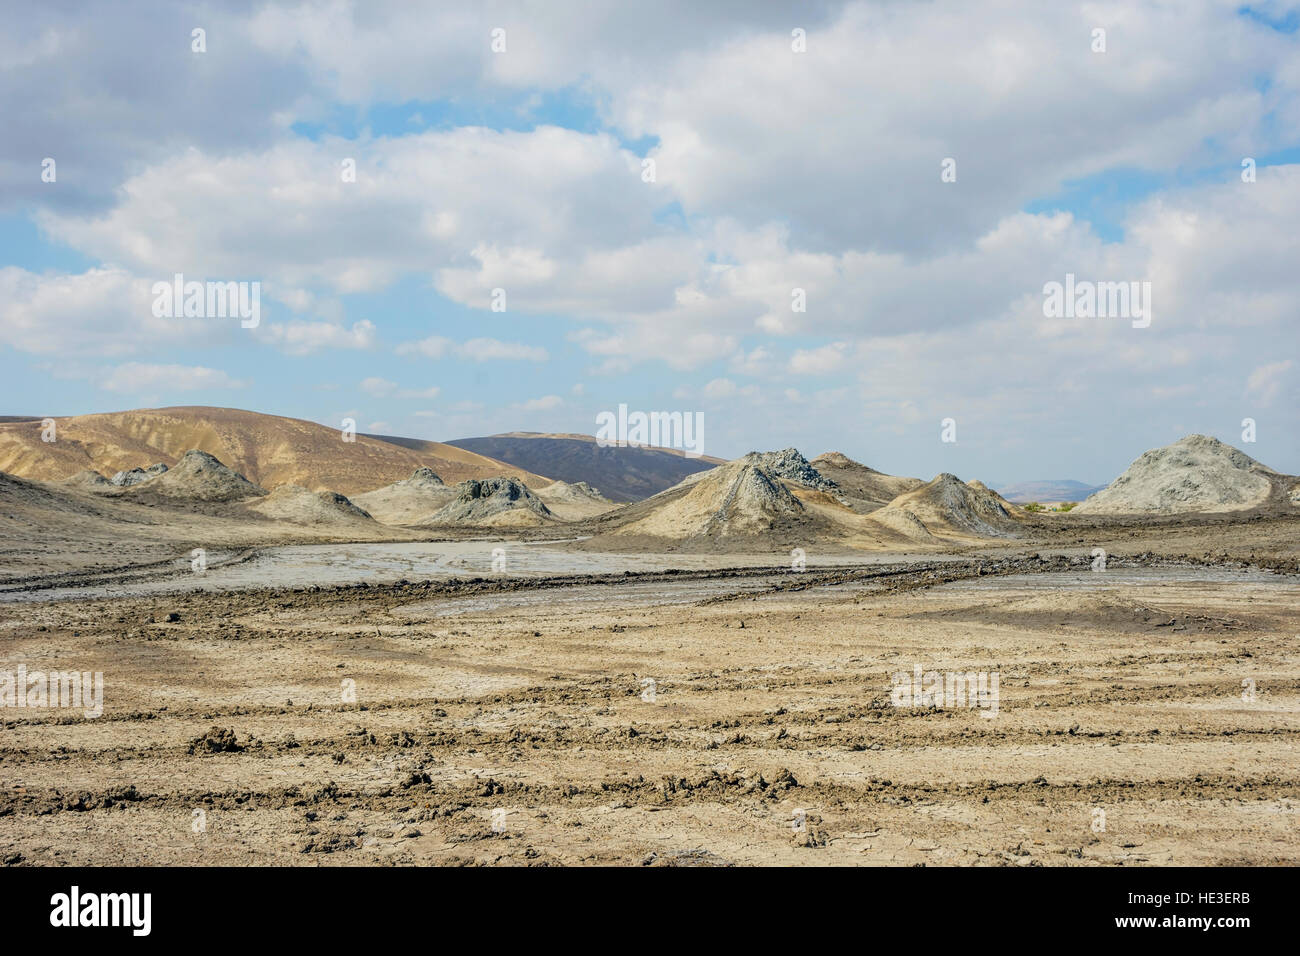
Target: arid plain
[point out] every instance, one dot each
(525, 672)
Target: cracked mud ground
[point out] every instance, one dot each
(225, 737)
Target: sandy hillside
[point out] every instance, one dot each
(950, 509)
(88, 479)
(574, 501)
(408, 500)
(269, 450)
(198, 476)
(54, 528)
(864, 488)
(300, 505)
(1194, 474)
(753, 496)
(779, 500)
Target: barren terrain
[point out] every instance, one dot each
(768, 737)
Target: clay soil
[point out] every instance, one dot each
(510, 722)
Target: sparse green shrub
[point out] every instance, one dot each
(1032, 506)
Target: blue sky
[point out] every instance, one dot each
(775, 169)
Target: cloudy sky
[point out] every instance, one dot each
(649, 184)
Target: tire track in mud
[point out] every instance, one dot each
(711, 786)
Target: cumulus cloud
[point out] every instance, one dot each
(140, 378)
(301, 337)
(103, 311)
(819, 361)
(770, 177)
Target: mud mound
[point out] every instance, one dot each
(979, 487)
(948, 508)
(792, 466)
(137, 476)
(739, 498)
(88, 479)
(575, 491)
(862, 488)
(198, 476)
(303, 506)
(407, 500)
(572, 501)
(494, 502)
(1196, 473)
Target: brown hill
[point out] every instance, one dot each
(572, 502)
(864, 489)
(765, 497)
(268, 449)
(949, 509)
(408, 500)
(301, 506)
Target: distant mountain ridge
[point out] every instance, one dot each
(622, 474)
(1047, 491)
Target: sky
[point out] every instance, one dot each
(558, 208)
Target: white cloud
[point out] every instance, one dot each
(301, 338)
(431, 392)
(1265, 383)
(819, 361)
(543, 404)
(103, 311)
(140, 378)
(720, 388)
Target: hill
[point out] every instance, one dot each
(622, 474)
(408, 500)
(269, 450)
(1194, 474)
(492, 503)
(572, 502)
(198, 476)
(301, 506)
(765, 498)
(948, 508)
(864, 489)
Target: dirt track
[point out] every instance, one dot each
(1120, 695)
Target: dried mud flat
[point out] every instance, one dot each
(494, 731)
